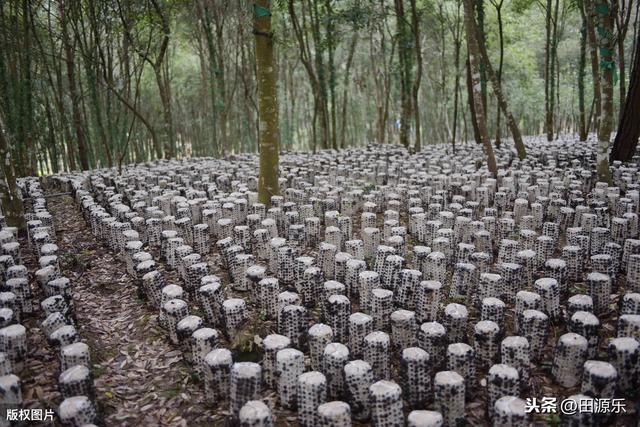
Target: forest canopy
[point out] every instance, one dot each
(87, 84)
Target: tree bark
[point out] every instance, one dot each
(205, 19)
(626, 140)
(607, 65)
(456, 30)
(474, 63)
(12, 207)
(622, 19)
(321, 72)
(164, 90)
(472, 104)
(266, 77)
(553, 77)
(73, 90)
(582, 63)
(405, 72)
(482, 43)
(415, 25)
(345, 92)
(331, 41)
(498, 6)
(27, 112)
(548, 60)
(502, 103)
(593, 50)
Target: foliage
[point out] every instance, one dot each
(136, 103)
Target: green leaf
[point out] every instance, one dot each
(261, 11)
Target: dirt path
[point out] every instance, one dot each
(139, 377)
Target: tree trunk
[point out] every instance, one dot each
(622, 74)
(582, 119)
(12, 207)
(345, 92)
(70, 158)
(456, 89)
(205, 19)
(415, 25)
(472, 104)
(482, 43)
(502, 102)
(442, 117)
(164, 89)
(312, 61)
(626, 140)
(27, 94)
(456, 86)
(266, 77)
(53, 149)
(551, 118)
(498, 6)
(622, 19)
(548, 122)
(331, 41)
(593, 50)
(321, 89)
(607, 65)
(474, 63)
(73, 90)
(219, 72)
(405, 72)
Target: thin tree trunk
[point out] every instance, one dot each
(502, 103)
(266, 77)
(152, 133)
(553, 80)
(208, 36)
(607, 65)
(331, 47)
(219, 72)
(456, 30)
(27, 94)
(164, 90)
(405, 72)
(472, 104)
(474, 64)
(318, 54)
(73, 90)
(53, 149)
(548, 122)
(622, 74)
(498, 6)
(622, 20)
(12, 207)
(309, 59)
(456, 90)
(345, 92)
(416, 83)
(582, 119)
(482, 42)
(593, 50)
(443, 110)
(626, 140)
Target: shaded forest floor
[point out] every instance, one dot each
(141, 379)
